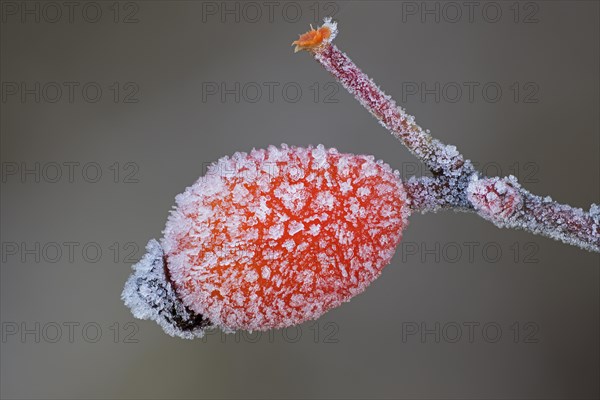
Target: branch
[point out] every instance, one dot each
(455, 185)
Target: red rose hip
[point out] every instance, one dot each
(271, 239)
(279, 236)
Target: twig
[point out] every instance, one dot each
(455, 185)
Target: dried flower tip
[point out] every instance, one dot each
(316, 38)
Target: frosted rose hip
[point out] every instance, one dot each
(279, 236)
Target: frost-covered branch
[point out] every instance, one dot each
(455, 185)
(506, 204)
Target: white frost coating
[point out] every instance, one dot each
(332, 25)
(315, 229)
(363, 192)
(251, 276)
(276, 231)
(346, 186)
(326, 200)
(595, 212)
(266, 272)
(289, 244)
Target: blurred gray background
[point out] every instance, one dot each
(111, 109)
